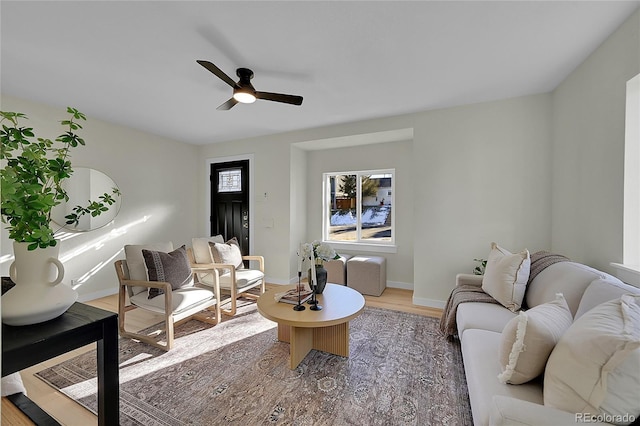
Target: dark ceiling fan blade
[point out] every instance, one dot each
(227, 105)
(279, 97)
(217, 71)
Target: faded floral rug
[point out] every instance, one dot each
(401, 371)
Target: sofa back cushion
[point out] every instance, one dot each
(594, 367)
(602, 290)
(569, 278)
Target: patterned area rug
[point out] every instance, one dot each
(400, 371)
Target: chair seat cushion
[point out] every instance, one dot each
(182, 300)
(244, 278)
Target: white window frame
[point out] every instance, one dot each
(359, 243)
(629, 270)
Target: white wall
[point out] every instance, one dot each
(588, 151)
(298, 207)
(396, 155)
(157, 179)
(485, 174)
(271, 175)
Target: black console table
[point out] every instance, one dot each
(82, 324)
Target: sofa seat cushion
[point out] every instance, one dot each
(516, 412)
(482, 366)
(484, 316)
(182, 299)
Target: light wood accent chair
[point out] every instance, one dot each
(177, 306)
(233, 281)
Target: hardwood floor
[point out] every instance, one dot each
(69, 413)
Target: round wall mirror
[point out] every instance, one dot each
(84, 186)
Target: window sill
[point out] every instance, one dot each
(630, 274)
(363, 247)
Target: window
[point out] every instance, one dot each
(358, 207)
(631, 226)
(230, 180)
(629, 270)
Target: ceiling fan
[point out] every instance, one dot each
(243, 90)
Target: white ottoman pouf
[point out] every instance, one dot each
(367, 274)
(337, 269)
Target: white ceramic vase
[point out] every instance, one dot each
(39, 294)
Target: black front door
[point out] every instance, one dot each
(230, 201)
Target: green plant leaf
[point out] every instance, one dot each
(31, 176)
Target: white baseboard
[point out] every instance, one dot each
(281, 282)
(399, 284)
(430, 303)
(392, 284)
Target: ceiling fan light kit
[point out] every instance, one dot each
(244, 97)
(243, 90)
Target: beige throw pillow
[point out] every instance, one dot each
(227, 253)
(595, 367)
(529, 338)
(506, 275)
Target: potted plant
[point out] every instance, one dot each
(480, 267)
(321, 253)
(33, 170)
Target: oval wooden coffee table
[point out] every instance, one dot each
(326, 330)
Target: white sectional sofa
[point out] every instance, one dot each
(480, 327)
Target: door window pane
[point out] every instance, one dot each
(230, 180)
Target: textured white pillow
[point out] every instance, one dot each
(506, 275)
(595, 367)
(528, 339)
(227, 253)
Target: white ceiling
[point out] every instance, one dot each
(134, 62)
